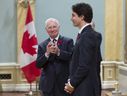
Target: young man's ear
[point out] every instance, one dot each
(82, 17)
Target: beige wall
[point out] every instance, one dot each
(114, 45)
(113, 30)
(125, 49)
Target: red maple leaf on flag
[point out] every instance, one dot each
(28, 43)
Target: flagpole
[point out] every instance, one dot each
(37, 92)
(30, 93)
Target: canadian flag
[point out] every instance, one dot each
(29, 49)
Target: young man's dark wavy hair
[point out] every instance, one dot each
(83, 9)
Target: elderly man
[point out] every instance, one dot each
(53, 57)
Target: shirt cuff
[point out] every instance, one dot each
(70, 84)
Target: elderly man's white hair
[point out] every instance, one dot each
(52, 19)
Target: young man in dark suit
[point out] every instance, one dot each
(84, 77)
(53, 57)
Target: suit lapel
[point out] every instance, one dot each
(83, 32)
(47, 41)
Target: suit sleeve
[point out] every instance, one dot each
(41, 60)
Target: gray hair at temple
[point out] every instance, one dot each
(52, 19)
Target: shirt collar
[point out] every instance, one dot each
(83, 27)
(55, 38)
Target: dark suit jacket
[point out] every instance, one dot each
(55, 69)
(99, 59)
(85, 65)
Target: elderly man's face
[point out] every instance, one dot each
(52, 29)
